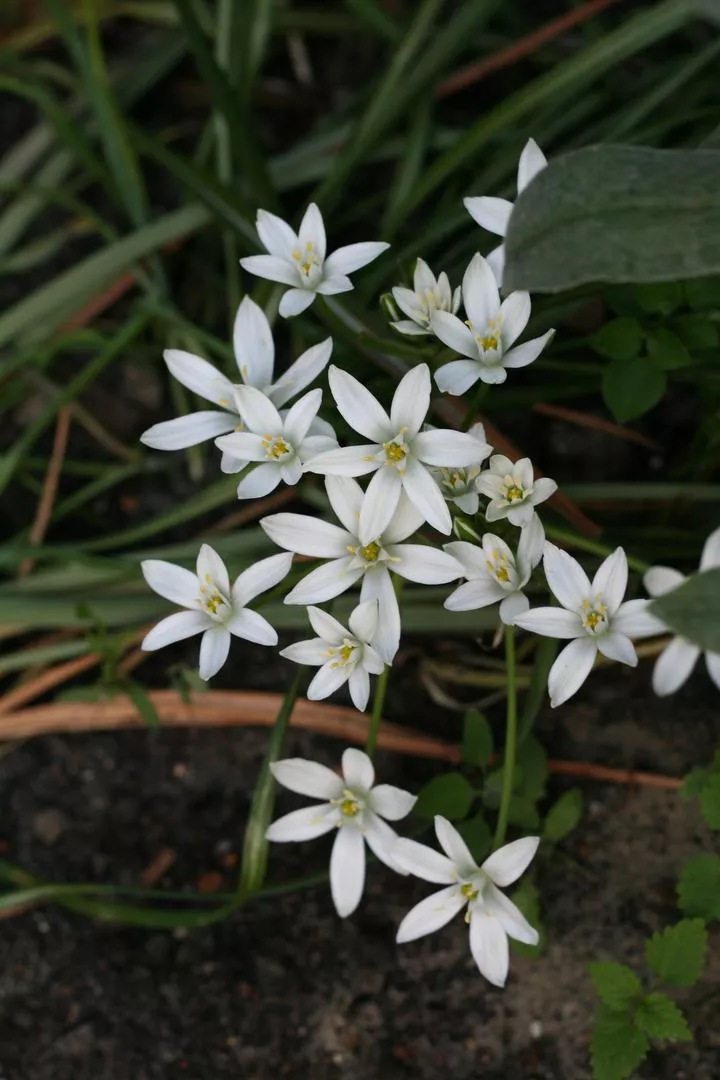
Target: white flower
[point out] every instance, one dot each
(494, 214)
(487, 336)
(676, 661)
(344, 656)
(353, 805)
(350, 560)
(512, 489)
(400, 454)
(213, 608)
(281, 444)
(459, 486)
(255, 358)
(492, 917)
(299, 259)
(428, 294)
(494, 573)
(594, 615)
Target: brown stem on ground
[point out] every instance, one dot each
(50, 486)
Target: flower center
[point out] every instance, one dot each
(395, 452)
(513, 491)
(489, 338)
(211, 598)
(469, 891)
(349, 807)
(275, 448)
(306, 258)
(594, 615)
(500, 566)
(342, 655)
(370, 552)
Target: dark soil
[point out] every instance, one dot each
(286, 989)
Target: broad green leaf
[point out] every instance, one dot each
(616, 985)
(477, 739)
(699, 886)
(660, 1018)
(563, 816)
(692, 609)
(667, 351)
(477, 835)
(631, 387)
(449, 795)
(696, 331)
(617, 1047)
(619, 339)
(616, 213)
(677, 955)
(660, 298)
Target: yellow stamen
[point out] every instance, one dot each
(395, 452)
(469, 891)
(349, 807)
(514, 493)
(275, 448)
(370, 552)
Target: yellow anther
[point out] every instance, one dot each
(469, 891)
(213, 603)
(501, 574)
(349, 807)
(514, 493)
(370, 552)
(345, 653)
(394, 452)
(275, 448)
(489, 342)
(592, 619)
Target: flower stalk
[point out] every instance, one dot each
(376, 717)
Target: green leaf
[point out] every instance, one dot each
(523, 812)
(532, 761)
(450, 795)
(696, 331)
(710, 801)
(139, 697)
(661, 298)
(617, 1047)
(691, 610)
(527, 898)
(631, 388)
(667, 351)
(477, 739)
(477, 835)
(677, 955)
(564, 815)
(660, 1018)
(694, 783)
(616, 985)
(619, 339)
(616, 213)
(699, 886)
(703, 294)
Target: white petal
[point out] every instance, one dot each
(305, 824)
(177, 627)
(424, 862)
(475, 594)
(469, 504)
(329, 678)
(313, 651)
(449, 449)
(611, 580)
(515, 312)
(617, 646)
(551, 622)
(489, 212)
(470, 556)
(530, 548)
(381, 840)
(571, 669)
(364, 620)
(674, 666)
(214, 649)
(312, 231)
(489, 947)
(480, 293)
(331, 286)
(357, 769)
(456, 335)
(710, 557)
(211, 569)
(405, 326)
(253, 345)
(326, 627)
(509, 916)
(276, 236)
(377, 585)
(411, 401)
(172, 582)
(346, 461)
(431, 914)
(306, 535)
(496, 262)
(359, 407)
(295, 301)
(528, 352)
(634, 619)
(566, 577)
(391, 802)
(372, 661)
(422, 490)
(712, 663)
(379, 504)
(301, 416)
(314, 445)
(543, 488)
(272, 268)
(252, 626)
(406, 520)
(359, 687)
(243, 445)
(532, 161)
(347, 870)
(304, 371)
(260, 482)
(348, 259)
(346, 496)
(199, 376)
(424, 564)
(512, 606)
(188, 430)
(662, 579)
(258, 412)
(423, 277)
(231, 465)
(454, 847)
(307, 778)
(325, 583)
(508, 863)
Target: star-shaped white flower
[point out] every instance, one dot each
(343, 656)
(593, 615)
(459, 486)
(488, 335)
(350, 560)
(255, 357)
(494, 574)
(299, 260)
(280, 444)
(493, 918)
(401, 454)
(355, 806)
(428, 294)
(493, 214)
(513, 490)
(214, 609)
(675, 663)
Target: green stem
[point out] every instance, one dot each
(474, 406)
(510, 740)
(376, 718)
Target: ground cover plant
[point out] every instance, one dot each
(244, 260)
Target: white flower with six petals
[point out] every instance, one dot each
(459, 486)
(513, 490)
(428, 294)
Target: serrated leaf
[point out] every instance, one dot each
(617, 1047)
(667, 350)
(616, 985)
(660, 1018)
(631, 388)
(619, 339)
(477, 739)
(660, 297)
(699, 886)
(710, 801)
(477, 835)
(677, 955)
(564, 815)
(691, 609)
(450, 795)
